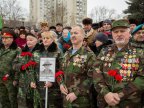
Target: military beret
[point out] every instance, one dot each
(139, 27)
(120, 23)
(7, 32)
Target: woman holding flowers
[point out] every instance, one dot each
(20, 63)
(48, 48)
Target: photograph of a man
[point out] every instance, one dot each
(47, 71)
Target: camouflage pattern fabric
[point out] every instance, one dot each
(24, 91)
(137, 44)
(78, 71)
(8, 92)
(129, 62)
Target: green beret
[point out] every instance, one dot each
(139, 27)
(120, 23)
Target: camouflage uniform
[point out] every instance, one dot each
(8, 92)
(24, 92)
(137, 44)
(55, 99)
(134, 42)
(129, 63)
(78, 71)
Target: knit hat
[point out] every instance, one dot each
(107, 21)
(101, 37)
(139, 27)
(33, 35)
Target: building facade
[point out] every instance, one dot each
(68, 12)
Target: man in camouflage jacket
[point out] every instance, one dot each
(119, 75)
(137, 41)
(78, 71)
(138, 37)
(8, 52)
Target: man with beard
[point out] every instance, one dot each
(78, 67)
(119, 76)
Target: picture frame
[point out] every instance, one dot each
(47, 69)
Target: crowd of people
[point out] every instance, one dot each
(97, 65)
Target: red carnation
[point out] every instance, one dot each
(59, 73)
(30, 63)
(66, 46)
(23, 67)
(118, 78)
(26, 54)
(59, 79)
(5, 78)
(112, 72)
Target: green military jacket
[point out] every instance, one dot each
(129, 63)
(29, 76)
(78, 72)
(137, 44)
(6, 60)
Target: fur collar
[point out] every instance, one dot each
(26, 48)
(12, 46)
(52, 48)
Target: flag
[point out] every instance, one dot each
(1, 22)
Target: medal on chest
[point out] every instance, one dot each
(129, 65)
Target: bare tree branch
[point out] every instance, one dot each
(10, 10)
(102, 13)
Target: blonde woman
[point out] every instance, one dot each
(48, 48)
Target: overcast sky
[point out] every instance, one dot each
(118, 5)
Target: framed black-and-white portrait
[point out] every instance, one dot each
(47, 69)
